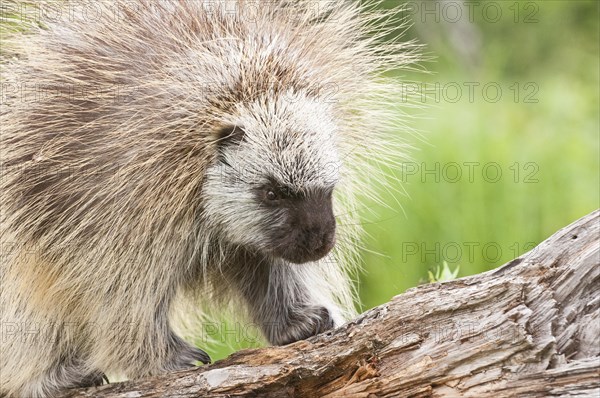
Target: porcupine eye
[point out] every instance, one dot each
(271, 195)
(274, 195)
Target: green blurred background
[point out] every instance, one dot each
(511, 139)
(507, 151)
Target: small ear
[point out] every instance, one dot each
(227, 135)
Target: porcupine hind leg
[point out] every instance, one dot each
(66, 373)
(143, 344)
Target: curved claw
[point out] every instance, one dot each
(93, 380)
(200, 355)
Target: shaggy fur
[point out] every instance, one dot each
(160, 149)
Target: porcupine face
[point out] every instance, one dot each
(271, 187)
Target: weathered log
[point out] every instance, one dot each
(529, 328)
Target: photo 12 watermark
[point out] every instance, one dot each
(470, 172)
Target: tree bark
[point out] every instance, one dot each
(529, 329)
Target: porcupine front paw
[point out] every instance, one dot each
(302, 323)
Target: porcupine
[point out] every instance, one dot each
(158, 149)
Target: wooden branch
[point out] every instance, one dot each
(530, 328)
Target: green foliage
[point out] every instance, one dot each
(541, 135)
(442, 273)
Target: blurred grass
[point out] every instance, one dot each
(481, 224)
(558, 141)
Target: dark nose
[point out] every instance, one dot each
(309, 231)
(319, 239)
(316, 228)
